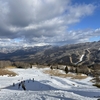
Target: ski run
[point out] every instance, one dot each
(41, 86)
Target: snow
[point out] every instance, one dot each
(81, 58)
(46, 87)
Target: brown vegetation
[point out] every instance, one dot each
(58, 73)
(55, 72)
(83, 69)
(97, 85)
(4, 64)
(21, 65)
(40, 66)
(10, 67)
(7, 72)
(79, 76)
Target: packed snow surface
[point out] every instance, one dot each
(41, 86)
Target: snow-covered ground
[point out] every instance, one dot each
(46, 87)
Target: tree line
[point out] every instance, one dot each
(4, 64)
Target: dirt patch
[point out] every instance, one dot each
(7, 72)
(64, 75)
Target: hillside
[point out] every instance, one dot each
(46, 87)
(77, 54)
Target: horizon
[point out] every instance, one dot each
(48, 22)
(28, 46)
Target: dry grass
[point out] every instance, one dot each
(55, 73)
(60, 74)
(7, 72)
(79, 76)
(11, 67)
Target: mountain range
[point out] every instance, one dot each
(77, 54)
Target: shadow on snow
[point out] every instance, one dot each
(32, 86)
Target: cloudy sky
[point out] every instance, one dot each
(54, 22)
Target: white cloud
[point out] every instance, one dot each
(43, 21)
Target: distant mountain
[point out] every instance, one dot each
(20, 53)
(9, 49)
(77, 54)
